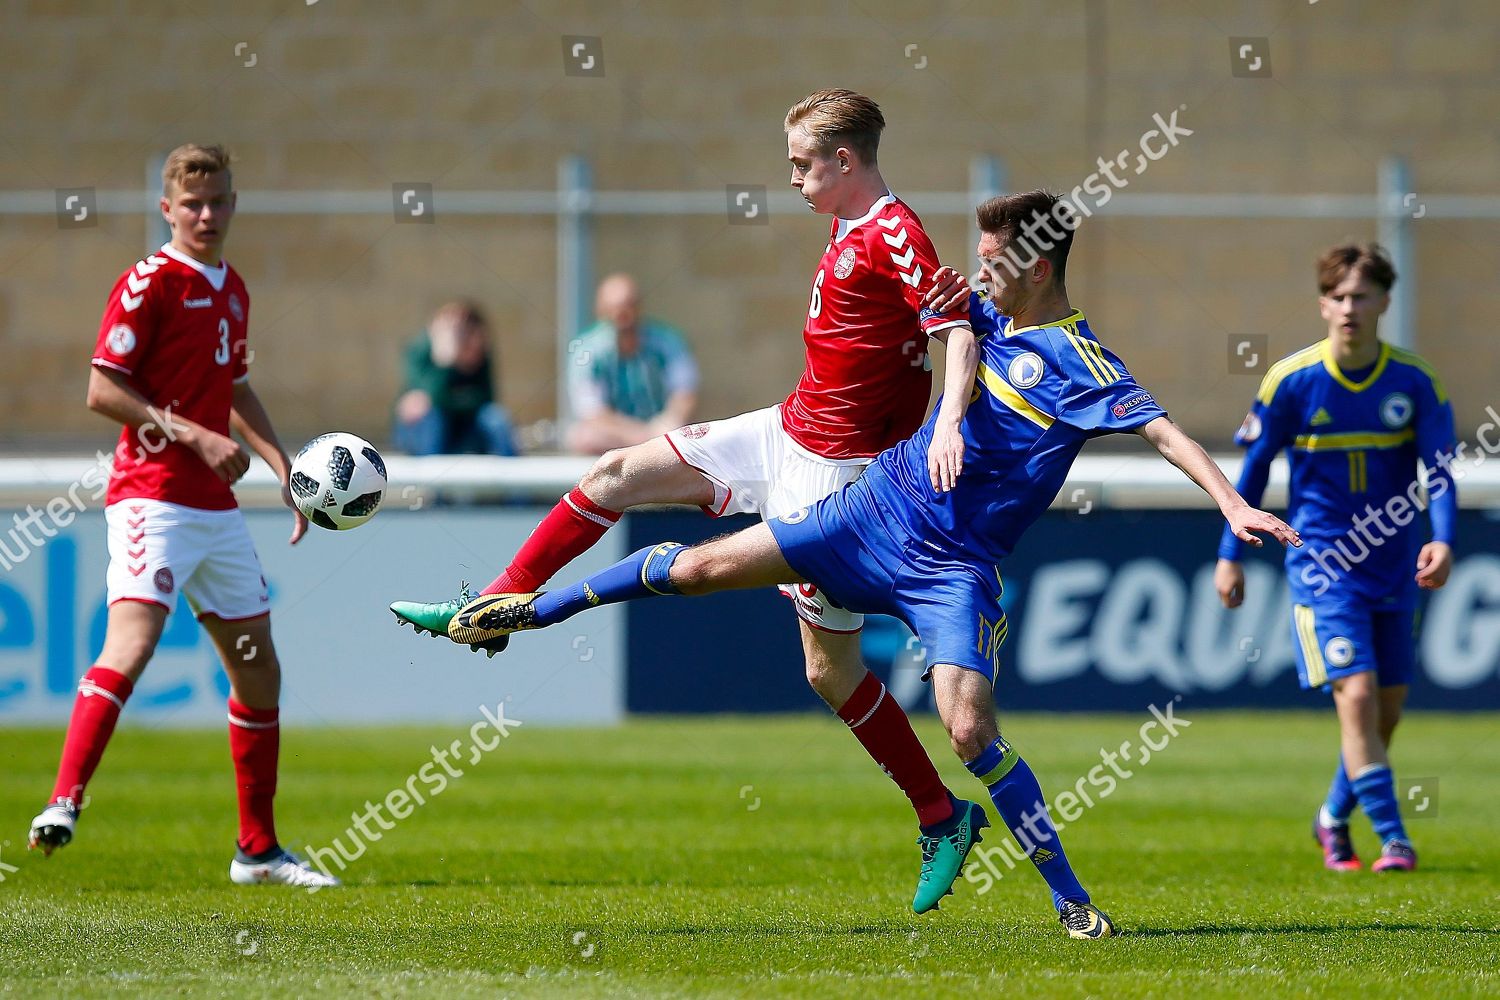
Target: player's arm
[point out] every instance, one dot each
(1188, 455)
(248, 417)
(945, 459)
(949, 326)
(111, 394)
(1437, 437)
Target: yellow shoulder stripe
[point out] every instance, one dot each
(1013, 400)
(1305, 358)
(1416, 361)
(1093, 356)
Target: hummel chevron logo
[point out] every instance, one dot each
(913, 278)
(898, 241)
(889, 223)
(137, 570)
(138, 286)
(149, 266)
(904, 260)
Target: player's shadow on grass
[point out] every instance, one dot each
(1224, 930)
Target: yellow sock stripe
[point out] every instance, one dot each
(660, 550)
(1007, 762)
(1083, 353)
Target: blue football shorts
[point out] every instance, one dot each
(1336, 639)
(844, 545)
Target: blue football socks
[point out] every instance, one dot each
(1018, 798)
(647, 573)
(1341, 799)
(1376, 789)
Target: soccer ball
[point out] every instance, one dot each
(338, 480)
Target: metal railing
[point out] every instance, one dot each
(575, 203)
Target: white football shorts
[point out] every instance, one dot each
(756, 468)
(158, 549)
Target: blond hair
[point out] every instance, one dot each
(837, 117)
(193, 160)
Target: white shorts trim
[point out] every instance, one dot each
(158, 550)
(756, 468)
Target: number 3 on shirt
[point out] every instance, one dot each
(221, 356)
(817, 296)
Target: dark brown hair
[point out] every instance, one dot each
(1051, 222)
(1369, 261)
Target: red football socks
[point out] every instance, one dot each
(255, 745)
(882, 728)
(101, 695)
(569, 530)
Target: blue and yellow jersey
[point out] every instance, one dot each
(1041, 392)
(1352, 440)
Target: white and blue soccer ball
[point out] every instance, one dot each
(338, 480)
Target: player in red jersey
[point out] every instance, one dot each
(866, 387)
(170, 365)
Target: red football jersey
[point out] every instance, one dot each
(177, 327)
(867, 383)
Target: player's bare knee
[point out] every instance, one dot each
(971, 731)
(694, 570)
(607, 482)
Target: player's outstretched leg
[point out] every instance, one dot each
(748, 558)
(1331, 825)
(647, 473)
(966, 701)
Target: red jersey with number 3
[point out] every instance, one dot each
(177, 328)
(867, 380)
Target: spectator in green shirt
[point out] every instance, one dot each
(632, 377)
(448, 406)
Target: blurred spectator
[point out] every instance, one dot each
(448, 406)
(632, 377)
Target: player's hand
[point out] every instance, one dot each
(1244, 520)
(1229, 581)
(945, 456)
(299, 519)
(949, 291)
(1433, 565)
(223, 454)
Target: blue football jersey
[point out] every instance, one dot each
(1352, 449)
(1041, 392)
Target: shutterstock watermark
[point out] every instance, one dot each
(400, 802)
(1372, 527)
(1039, 236)
(1031, 842)
(17, 544)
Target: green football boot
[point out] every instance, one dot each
(943, 856)
(431, 619)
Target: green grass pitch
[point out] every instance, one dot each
(746, 857)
